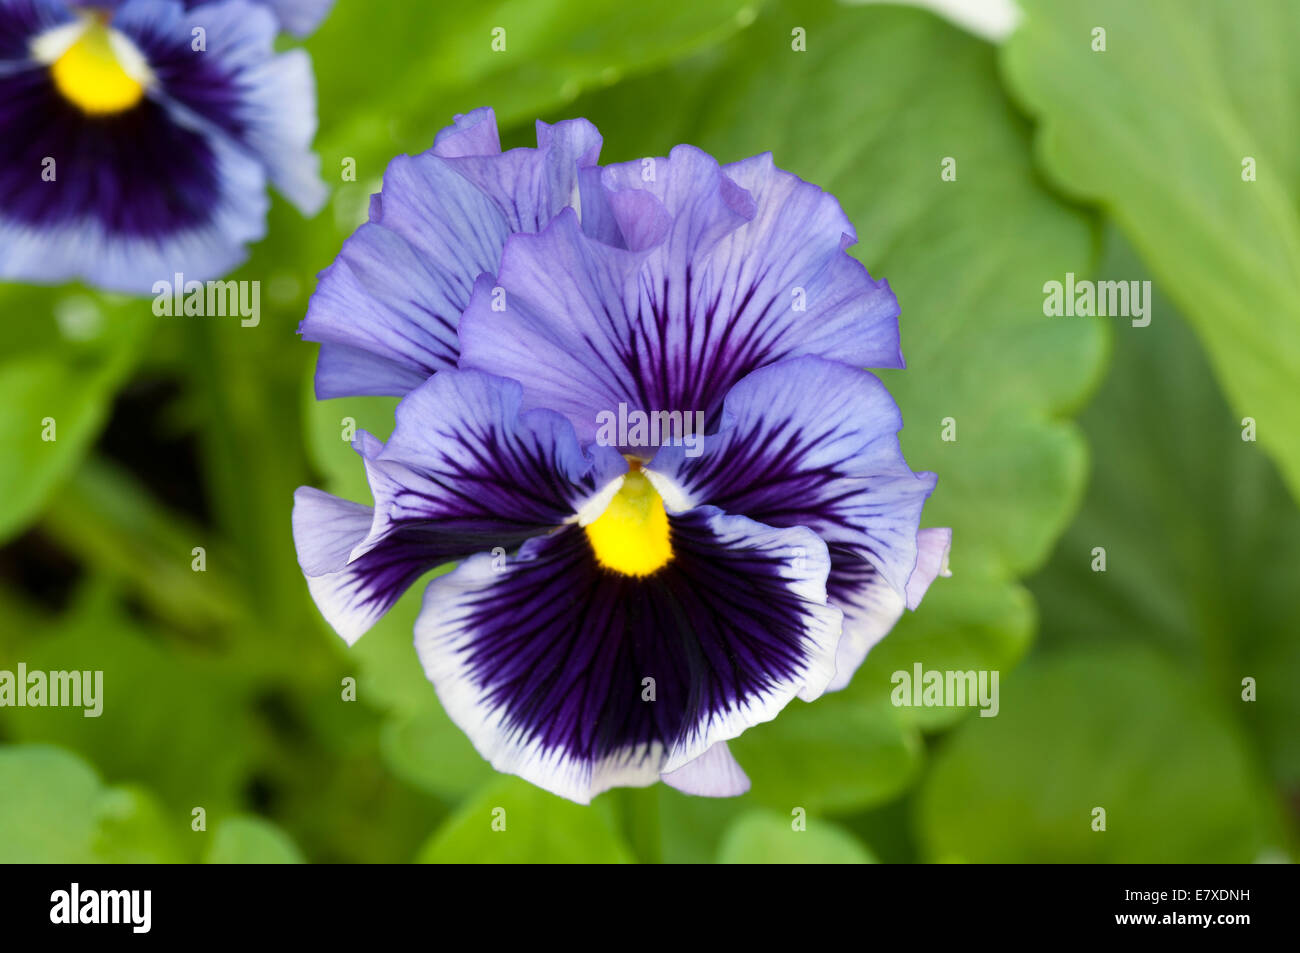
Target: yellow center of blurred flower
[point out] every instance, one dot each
(90, 73)
(632, 535)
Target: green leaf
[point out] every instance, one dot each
(1156, 130)
(691, 828)
(764, 837)
(177, 720)
(426, 749)
(55, 810)
(331, 427)
(838, 754)
(419, 63)
(104, 516)
(133, 828)
(56, 384)
(513, 822)
(251, 840)
(1200, 539)
(1115, 728)
(864, 114)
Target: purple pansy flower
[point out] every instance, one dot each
(137, 138)
(678, 499)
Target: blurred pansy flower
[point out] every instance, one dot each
(299, 17)
(626, 603)
(137, 138)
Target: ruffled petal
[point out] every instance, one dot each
(530, 186)
(579, 679)
(385, 312)
(871, 606)
(464, 473)
(299, 17)
(399, 285)
(686, 278)
(792, 255)
(716, 773)
(808, 442)
(472, 134)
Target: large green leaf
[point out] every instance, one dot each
(176, 720)
(59, 369)
(55, 810)
(251, 840)
(1201, 539)
(426, 748)
(765, 837)
(869, 112)
(512, 822)
(1113, 728)
(837, 754)
(1156, 129)
(410, 66)
(1137, 704)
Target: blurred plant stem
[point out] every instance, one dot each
(105, 517)
(246, 384)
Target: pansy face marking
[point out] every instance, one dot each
(99, 70)
(632, 536)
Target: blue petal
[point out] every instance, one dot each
(472, 134)
(871, 606)
(239, 85)
(544, 662)
(464, 473)
(300, 17)
(399, 285)
(809, 442)
(725, 271)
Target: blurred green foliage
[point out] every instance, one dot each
(1184, 129)
(225, 691)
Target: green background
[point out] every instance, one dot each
(1121, 690)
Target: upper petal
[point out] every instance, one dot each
(299, 17)
(668, 300)
(398, 287)
(471, 134)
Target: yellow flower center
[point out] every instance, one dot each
(91, 76)
(632, 535)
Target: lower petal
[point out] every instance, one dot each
(580, 679)
(716, 773)
(463, 473)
